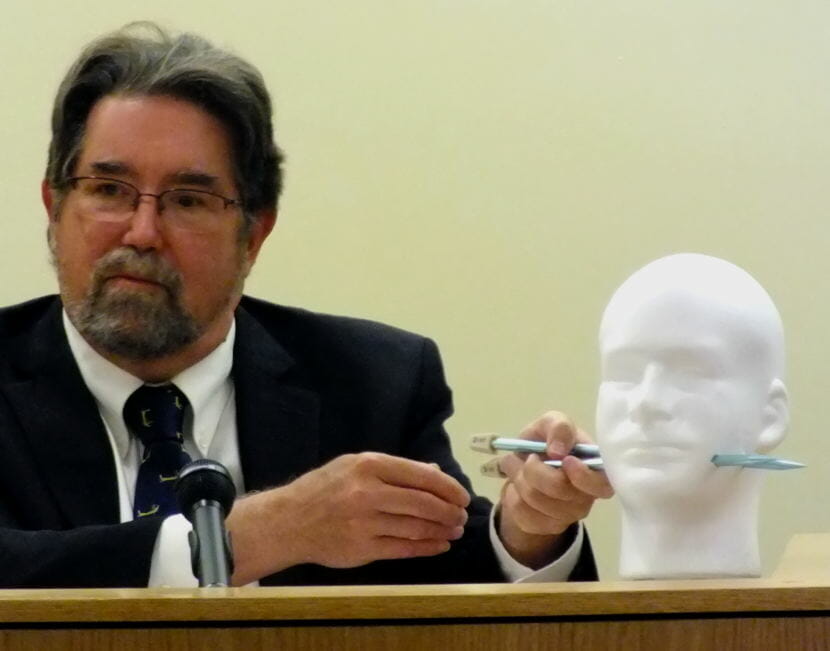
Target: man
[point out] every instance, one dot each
(161, 187)
(692, 351)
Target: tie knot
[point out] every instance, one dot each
(156, 413)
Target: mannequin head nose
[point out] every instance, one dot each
(649, 399)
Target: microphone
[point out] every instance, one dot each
(205, 494)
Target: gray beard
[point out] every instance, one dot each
(138, 326)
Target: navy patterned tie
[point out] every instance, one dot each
(155, 415)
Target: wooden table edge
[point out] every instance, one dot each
(468, 601)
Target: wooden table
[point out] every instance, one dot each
(707, 614)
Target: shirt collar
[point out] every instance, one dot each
(207, 385)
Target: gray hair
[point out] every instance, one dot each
(143, 59)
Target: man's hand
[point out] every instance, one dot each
(355, 509)
(538, 502)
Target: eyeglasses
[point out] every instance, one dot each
(112, 200)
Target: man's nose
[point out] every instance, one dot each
(649, 401)
(143, 232)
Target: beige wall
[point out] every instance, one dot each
(487, 171)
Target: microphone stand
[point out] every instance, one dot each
(205, 493)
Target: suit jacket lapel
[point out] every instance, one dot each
(64, 429)
(277, 416)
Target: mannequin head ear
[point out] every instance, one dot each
(775, 417)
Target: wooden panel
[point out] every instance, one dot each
(414, 602)
(646, 635)
(723, 614)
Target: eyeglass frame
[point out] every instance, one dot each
(158, 197)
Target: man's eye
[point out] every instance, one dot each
(109, 190)
(187, 200)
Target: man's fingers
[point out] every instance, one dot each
(386, 547)
(511, 465)
(572, 481)
(592, 482)
(416, 503)
(550, 506)
(549, 481)
(409, 528)
(414, 474)
(556, 429)
(541, 518)
(540, 500)
(547, 500)
(560, 437)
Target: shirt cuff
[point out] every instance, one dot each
(170, 565)
(515, 572)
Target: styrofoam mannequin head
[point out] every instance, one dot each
(692, 365)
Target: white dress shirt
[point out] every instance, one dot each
(210, 431)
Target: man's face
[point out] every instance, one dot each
(677, 387)
(144, 288)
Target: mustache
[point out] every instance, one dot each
(147, 266)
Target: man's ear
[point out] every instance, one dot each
(48, 198)
(260, 229)
(775, 417)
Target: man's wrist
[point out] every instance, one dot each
(261, 545)
(529, 549)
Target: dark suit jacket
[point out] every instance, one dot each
(308, 388)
